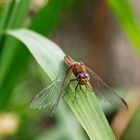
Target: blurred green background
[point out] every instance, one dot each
(103, 34)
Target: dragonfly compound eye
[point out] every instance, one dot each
(83, 75)
(87, 76)
(80, 76)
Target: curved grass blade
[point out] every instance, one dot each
(50, 58)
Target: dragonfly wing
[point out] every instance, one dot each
(63, 89)
(52, 94)
(101, 89)
(44, 97)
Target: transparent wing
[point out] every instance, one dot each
(101, 89)
(45, 96)
(52, 94)
(63, 89)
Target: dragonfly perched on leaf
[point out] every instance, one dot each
(84, 76)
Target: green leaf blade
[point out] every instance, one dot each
(37, 46)
(125, 14)
(51, 58)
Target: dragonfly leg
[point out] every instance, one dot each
(89, 87)
(84, 93)
(75, 92)
(69, 84)
(73, 80)
(57, 101)
(86, 87)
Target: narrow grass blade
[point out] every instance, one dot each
(50, 58)
(125, 14)
(16, 15)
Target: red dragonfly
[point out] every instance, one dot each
(84, 76)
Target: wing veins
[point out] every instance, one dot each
(44, 93)
(103, 90)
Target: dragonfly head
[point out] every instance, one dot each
(83, 77)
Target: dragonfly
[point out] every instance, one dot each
(84, 76)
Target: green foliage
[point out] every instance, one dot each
(14, 58)
(17, 13)
(125, 14)
(50, 58)
(12, 55)
(13, 64)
